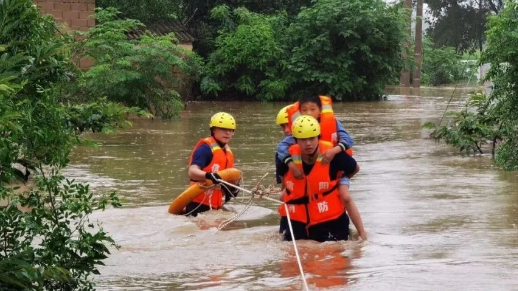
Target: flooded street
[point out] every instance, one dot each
(436, 220)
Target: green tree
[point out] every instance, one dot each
(443, 65)
(24, 31)
(196, 14)
(46, 239)
(342, 48)
(51, 245)
(9, 153)
(471, 128)
(248, 56)
(460, 24)
(348, 49)
(139, 73)
(149, 10)
(491, 119)
(502, 55)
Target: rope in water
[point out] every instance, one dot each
(206, 187)
(289, 224)
(247, 206)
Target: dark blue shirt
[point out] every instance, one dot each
(202, 156)
(278, 162)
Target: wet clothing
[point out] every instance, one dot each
(334, 230)
(314, 202)
(331, 130)
(278, 177)
(194, 208)
(211, 156)
(202, 156)
(345, 141)
(342, 162)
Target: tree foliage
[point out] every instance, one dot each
(470, 129)
(248, 55)
(501, 53)
(341, 48)
(494, 119)
(443, 65)
(28, 35)
(348, 49)
(149, 10)
(460, 24)
(142, 73)
(46, 239)
(196, 14)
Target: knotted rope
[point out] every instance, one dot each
(254, 193)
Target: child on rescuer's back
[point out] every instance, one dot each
(282, 121)
(313, 106)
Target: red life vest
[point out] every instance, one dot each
(327, 120)
(221, 159)
(314, 199)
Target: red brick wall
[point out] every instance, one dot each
(75, 13)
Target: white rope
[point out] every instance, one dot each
(248, 204)
(199, 204)
(207, 187)
(295, 247)
(248, 191)
(235, 216)
(289, 224)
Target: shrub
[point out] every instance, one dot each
(348, 49)
(138, 73)
(248, 56)
(443, 65)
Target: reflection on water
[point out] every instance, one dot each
(436, 220)
(325, 265)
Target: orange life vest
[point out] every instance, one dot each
(328, 121)
(221, 159)
(314, 199)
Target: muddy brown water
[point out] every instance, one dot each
(436, 220)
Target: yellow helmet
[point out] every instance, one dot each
(282, 116)
(222, 120)
(305, 126)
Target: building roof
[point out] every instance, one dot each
(163, 27)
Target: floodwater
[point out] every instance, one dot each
(436, 220)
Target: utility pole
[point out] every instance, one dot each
(404, 79)
(480, 27)
(418, 47)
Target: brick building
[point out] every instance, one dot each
(75, 13)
